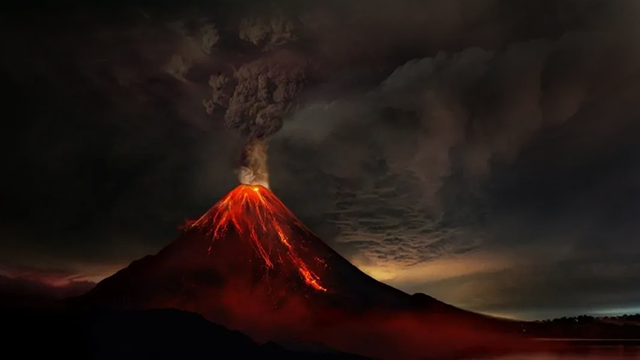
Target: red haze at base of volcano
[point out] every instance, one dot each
(248, 263)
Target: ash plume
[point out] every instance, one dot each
(255, 97)
(254, 170)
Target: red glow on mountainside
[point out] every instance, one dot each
(251, 265)
(258, 216)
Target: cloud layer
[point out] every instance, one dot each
(526, 152)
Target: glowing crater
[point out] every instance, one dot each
(257, 215)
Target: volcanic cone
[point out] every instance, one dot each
(249, 263)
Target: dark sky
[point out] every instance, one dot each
(484, 152)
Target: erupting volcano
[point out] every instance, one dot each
(251, 245)
(259, 217)
(250, 264)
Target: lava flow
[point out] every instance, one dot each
(257, 215)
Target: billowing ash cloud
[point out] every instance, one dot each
(467, 111)
(483, 150)
(256, 95)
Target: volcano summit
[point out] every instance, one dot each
(250, 264)
(257, 216)
(248, 244)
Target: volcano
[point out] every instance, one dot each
(248, 243)
(247, 247)
(250, 264)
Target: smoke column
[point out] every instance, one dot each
(254, 170)
(256, 93)
(256, 96)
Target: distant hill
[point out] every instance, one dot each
(24, 292)
(621, 320)
(586, 327)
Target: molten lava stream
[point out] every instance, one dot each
(256, 213)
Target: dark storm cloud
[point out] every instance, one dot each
(486, 150)
(448, 125)
(428, 131)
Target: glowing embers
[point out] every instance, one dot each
(257, 215)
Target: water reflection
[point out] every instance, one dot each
(604, 353)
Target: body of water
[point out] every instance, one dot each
(585, 353)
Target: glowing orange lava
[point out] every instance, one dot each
(258, 215)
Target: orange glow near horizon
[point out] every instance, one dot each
(257, 215)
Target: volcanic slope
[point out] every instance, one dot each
(250, 264)
(248, 243)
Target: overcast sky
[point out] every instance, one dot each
(485, 153)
